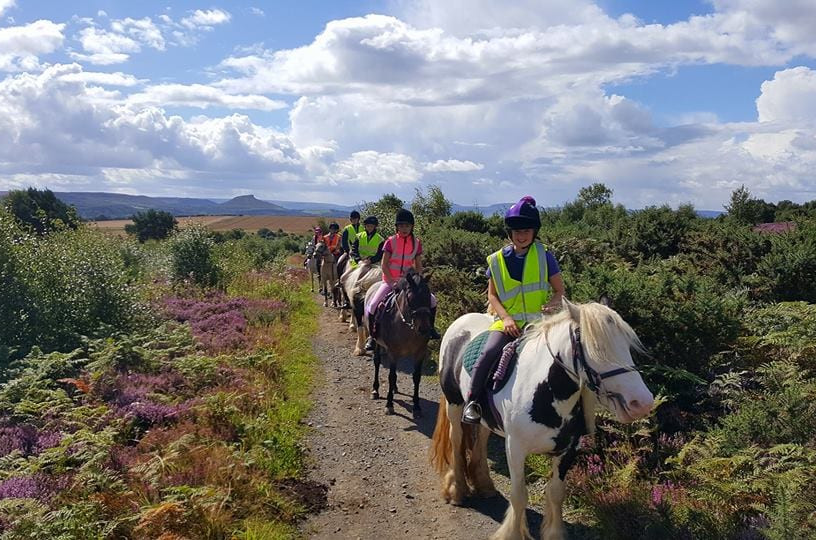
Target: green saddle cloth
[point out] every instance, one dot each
(473, 350)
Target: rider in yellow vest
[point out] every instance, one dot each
(368, 244)
(351, 231)
(524, 283)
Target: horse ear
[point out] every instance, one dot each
(604, 300)
(574, 311)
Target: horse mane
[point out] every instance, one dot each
(599, 325)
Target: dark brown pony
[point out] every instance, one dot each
(402, 332)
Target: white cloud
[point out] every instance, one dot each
(105, 47)
(20, 46)
(142, 30)
(369, 167)
(101, 14)
(257, 11)
(206, 19)
(453, 165)
(52, 125)
(104, 79)
(791, 22)
(6, 5)
(789, 98)
(200, 96)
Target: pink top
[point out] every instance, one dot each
(401, 255)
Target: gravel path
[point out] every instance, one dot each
(381, 484)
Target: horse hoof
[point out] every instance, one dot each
(389, 410)
(375, 394)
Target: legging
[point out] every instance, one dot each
(379, 296)
(496, 340)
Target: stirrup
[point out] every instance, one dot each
(472, 413)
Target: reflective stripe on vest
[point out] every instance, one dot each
(400, 261)
(368, 247)
(524, 299)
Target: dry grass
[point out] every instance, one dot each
(293, 224)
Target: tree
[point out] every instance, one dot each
(746, 210)
(40, 210)
(385, 209)
(156, 224)
(595, 195)
(430, 208)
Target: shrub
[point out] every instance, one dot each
(653, 232)
(152, 224)
(40, 210)
(463, 250)
(192, 258)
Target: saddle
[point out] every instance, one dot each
(502, 366)
(381, 308)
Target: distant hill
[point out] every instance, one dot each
(97, 205)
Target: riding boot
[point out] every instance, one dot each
(434, 333)
(496, 340)
(371, 341)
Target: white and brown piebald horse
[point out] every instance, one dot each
(567, 365)
(356, 282)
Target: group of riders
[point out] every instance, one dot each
(524, 280)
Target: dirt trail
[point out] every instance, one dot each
(381, 484)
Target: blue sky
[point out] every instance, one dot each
(665, 102)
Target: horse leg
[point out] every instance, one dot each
(480, 472)
(392, 386)
(454, 482)
(417, 411)
(375, 393)
(553, 527)
(514, 526)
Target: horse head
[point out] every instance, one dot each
(414, 302)
(594, 345)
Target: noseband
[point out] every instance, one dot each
(412, 313)
(593, 379)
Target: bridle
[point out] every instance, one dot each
(412, 314)
(594, 379)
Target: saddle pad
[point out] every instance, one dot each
(473, 350)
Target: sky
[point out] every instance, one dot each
(664, 102)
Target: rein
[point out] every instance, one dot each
(594, 379)
(413, 312)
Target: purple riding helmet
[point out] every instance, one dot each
(523, 215)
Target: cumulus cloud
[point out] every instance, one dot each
(53, 125)
(5, 5)
(201, 96)
(369, 167)
(104, 79)
(453, 165)
(20, 46)
(142, 30)
(206, 19)
(790, 97)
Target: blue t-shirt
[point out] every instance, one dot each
(515, 263)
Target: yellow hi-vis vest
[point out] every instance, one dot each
(352, 232)
(368, 248)
(523, 299)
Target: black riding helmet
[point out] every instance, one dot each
(371, 220)
(523, 215)
(404, 216)
(354, 214)
(334, 227)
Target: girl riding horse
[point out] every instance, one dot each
(401, 252)
(524, 282)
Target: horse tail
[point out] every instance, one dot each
(441, 448)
